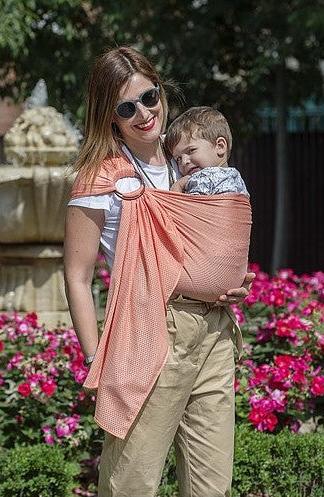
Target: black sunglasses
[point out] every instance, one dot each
(148, 98)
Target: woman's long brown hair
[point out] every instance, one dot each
(110, 72)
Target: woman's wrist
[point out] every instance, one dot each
(88, 360)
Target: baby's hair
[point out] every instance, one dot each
(200, 122)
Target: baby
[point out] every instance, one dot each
(200, 140)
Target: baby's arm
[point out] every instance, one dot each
(180, 185)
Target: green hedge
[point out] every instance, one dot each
(283, 465)
(36, 471)
(266, 465)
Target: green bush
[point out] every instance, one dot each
(169, 484)
(267, 465)
(280, 465)
(36, 471)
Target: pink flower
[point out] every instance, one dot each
(101, 257)
(294, 426)
(80, 375)
(103, 273)
(299, 378)
(264, 335)
(320, 340)
(48, 435)
(81, 395)
(24, 389)
(62, 430)
(67, 349)
(285, 274)
(31, 318)
(104, 276)
(49, 439)
(35, 378)
(286, 328)
(53, 371)
(299, 405)
(15, 360)
(276, 298)
(280, 379)
(48, 355)
(279, 400)
(67, 426)
(238, 313)
(283, 361)
(259, 375)
(310, 308)
(317, 386)
(22, 328)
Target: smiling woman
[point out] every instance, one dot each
(121, 75)
(164, 366)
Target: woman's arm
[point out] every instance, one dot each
(83, 227)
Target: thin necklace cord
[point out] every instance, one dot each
(145, 175)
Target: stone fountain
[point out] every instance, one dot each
(34, 189)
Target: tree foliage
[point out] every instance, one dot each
(51, 39)
(222, 53)
(226, 52)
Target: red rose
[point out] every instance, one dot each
(1, 346)
(67, 349)
(49, 388)
(24, 389)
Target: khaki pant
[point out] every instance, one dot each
(192, 402)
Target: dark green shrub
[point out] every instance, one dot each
(280, 465)
(267, 465)
(36, 471)
(169, 483)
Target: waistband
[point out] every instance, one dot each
(183, 300)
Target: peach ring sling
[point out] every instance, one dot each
(168, 242)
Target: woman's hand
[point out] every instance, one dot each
(237, 295)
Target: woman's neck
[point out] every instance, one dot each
(150, 153)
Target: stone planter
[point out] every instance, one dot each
(32, 279)
(34, 192)
(32, 203)
(35, 156)
(32, 212)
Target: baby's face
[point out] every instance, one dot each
(193, 154)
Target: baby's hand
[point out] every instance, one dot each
(180, 185)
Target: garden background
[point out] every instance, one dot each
(262, 64)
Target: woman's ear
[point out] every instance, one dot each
(221, 146)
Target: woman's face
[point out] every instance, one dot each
(146, 125)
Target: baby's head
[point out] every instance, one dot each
(199, 138)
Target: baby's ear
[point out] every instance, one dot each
(221, 146)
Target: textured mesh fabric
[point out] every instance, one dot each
(167, 242)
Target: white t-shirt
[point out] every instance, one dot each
(111, 203)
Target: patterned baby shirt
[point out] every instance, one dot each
(215, 179)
